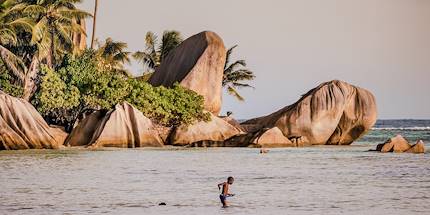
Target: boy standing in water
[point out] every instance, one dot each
(224, 194)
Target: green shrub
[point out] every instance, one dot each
(167, 106)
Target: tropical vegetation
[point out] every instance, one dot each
(42, 60)
(235, 74)
(156, 51)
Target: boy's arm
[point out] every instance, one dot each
(219, 186)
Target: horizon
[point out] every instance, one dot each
(380, 46)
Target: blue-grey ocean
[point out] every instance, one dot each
(312, 180)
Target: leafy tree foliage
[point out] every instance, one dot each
(77, 86)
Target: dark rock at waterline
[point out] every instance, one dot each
(334, 113)
(196, 64)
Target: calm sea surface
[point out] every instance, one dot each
(314, 180)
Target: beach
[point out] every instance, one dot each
(309, 180)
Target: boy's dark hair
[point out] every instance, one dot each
(230, 178)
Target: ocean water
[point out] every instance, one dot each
(313, 180)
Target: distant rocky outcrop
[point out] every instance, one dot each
(396, 144)
(124, 127)
(22, 127)
(196, 64)
(216, 130)
(399, 144)
(334, 113)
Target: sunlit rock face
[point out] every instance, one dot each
(214, 131)
(197, 64)
(399, 144)
(123, 127)
(334, 113)
(22, 127)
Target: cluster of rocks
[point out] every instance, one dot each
(399, 144)
(333, 113)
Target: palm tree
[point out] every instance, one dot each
(55, 25)
(234, 75)
(11, 24)
(113, 56)
(170, 40)
(153, 55)
(150, 56)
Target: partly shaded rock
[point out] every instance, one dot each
(124, 126)
(197, 64)
(22, 127)
(334, 113)
(59, 134)
(272, 138)
(266, 137)
(216, 130)
(397, 144)
(83, 133)
(233, 122)
(418, 148)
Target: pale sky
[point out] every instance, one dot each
(293, 45)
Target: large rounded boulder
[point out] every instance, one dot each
(123, 127)
(334, 113)
(22, 127)
(212, 132)
(196, 64)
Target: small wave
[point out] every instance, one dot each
(404, 128)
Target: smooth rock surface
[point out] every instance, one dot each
(272, 138)
(397, 144)
(22, 127)
(123, 127)
(216, 130)
(83, 132)
(334, 113)
(418, 148)
(197, 64)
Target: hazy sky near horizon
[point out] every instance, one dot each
(293, 45)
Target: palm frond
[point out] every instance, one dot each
(228, 56)
(34, 9)
(232, 91)
(235, 65)
(39, 30)
(13, 63)
(170, 40)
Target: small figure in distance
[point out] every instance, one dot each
(224, 194)
(264, 151)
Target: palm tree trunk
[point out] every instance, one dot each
(30, 78)
(50, 60)
(94, 23)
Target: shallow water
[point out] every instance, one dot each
(315, 180)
